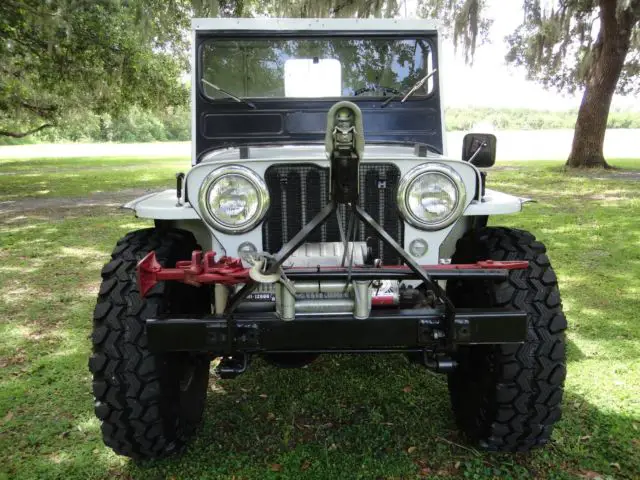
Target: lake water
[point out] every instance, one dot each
(512, 145)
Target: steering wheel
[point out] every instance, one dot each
(375, 87)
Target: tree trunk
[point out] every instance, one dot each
(607, 59)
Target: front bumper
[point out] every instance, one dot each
(384, 331)
(387, 327)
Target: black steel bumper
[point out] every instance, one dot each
(383, 331)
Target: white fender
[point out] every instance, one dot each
(161, 206)
(495, 203)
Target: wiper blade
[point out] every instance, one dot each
(228, 94)
(412, 90)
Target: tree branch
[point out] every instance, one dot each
(336, 10)
(42, 111)
(634, 8)
(5, 133)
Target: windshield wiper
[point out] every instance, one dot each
(228, 94)
(412, 90)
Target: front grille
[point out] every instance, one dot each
(298, 192)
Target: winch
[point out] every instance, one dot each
(311, 297)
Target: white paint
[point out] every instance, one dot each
(441, 83)
(314, 24)
(161, 206)
(494, 203)
(262, 158)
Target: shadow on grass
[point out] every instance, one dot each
(342, 417)
(360, 417)
(595, 249)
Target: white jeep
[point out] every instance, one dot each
(323, 215)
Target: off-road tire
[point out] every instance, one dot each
(149, 404)
(507, 397)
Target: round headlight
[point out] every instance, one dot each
(431, 196)
(233, 199)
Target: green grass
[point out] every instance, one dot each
(73, 177)
(341, 417)
(36, 164)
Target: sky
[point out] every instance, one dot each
(489, 81)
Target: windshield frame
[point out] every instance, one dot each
(329, 35)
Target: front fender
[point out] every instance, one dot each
(495, 203)
(161, 206)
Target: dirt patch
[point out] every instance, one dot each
(32, 218)
(501, 168)
(58, 204)
(594, 174)
(570, 199)
(17, 358)
(612, 174)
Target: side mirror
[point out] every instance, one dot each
(479, 149)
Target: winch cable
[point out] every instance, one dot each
(343, 238)
(450, 311)
(350, 232)
(352, 217)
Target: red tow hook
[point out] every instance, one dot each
(197, 271)
(504, 265)
(147, 273)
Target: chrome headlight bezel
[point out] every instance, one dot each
(412, 176)
(262, 194)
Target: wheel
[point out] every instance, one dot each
(149, 404)
(507, 397)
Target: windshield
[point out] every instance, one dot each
(315, 67)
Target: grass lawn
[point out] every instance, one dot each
(74, 177)
(341, 417)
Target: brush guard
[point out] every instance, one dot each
(235, 333)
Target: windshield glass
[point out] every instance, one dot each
(315, 67)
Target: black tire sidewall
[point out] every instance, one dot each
(144, 411)
(507, 397)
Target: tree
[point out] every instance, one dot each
(297, 8)
(590, 44)
(64, 57)
(335, 8)
(461, 19)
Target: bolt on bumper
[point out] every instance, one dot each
(384, 331)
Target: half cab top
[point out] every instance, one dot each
(272, 81)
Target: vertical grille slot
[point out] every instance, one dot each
(298, 193)
(314, 202)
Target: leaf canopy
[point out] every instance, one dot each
(463, 20)
(63, 56)
(60, 59)
(556, 38)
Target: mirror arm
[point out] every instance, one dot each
(475, 154)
